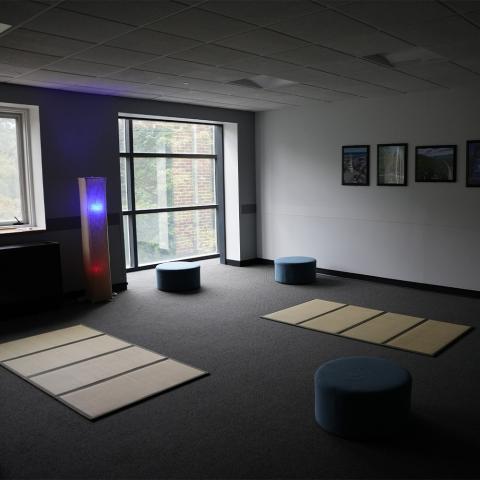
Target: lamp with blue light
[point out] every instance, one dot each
(96, 257)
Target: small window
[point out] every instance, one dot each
(21, 182)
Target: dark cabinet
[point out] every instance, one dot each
(30, 277)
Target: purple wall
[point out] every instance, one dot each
(79, 136)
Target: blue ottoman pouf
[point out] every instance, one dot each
(178, 276)
(295, 270)
(362, 397)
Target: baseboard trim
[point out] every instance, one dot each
(391, 281)
(119, 287)
(73, 295)
(242, 263)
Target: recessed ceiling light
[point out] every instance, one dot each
(263, 81)
(402, 57)
(4, 27)
(413, 55)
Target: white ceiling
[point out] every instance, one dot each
(189, 51)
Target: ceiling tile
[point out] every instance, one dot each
(152, 42)
(216, 74)
(55, 77)
(260, 12)
(474, 16)
(384, 77)
(193, 83)
(168, 65)
(322, 27)
(369, 91)
(338, 3)
(211, 55)
(457, 51)
(42, 43)
(14, 12)
(110, 84)
(368, 44)
(444, 73)
(464, 6)
(67, 79)
(314, 92)
(261, 65)
(152, 90)
(271, 96)
(133, 12)
(449, 31)
(201, 25)
(82, 67)
(12, 70)
(320, 79)
(387, 14)
(20, 58)
(114, 56)
(171, 81)
(134, 75)
(471, 63)
(262, 42)
(76, 25)
(336, 82)
(312, 56)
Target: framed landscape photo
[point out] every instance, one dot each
(356, 165)
(392, 163)
(473, 163)
(436, 163)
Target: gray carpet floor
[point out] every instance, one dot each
(253, 416)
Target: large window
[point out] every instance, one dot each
(169, 190)
(21, 184)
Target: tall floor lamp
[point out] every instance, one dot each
(96, 257)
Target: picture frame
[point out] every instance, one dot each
(392, 164)
(356, 165)
(473, 163)
(436, 163)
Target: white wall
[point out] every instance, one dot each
(425, 232)
(231, 187)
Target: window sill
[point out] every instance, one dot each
(20, 229)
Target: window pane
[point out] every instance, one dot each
(126, 237)
(10, 193)
(174, 182)
(122, 130)
(173, 235)
(123, 183)
(170, 137)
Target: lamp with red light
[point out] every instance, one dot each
(96, 257)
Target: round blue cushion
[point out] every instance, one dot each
(362, 397)
(295, 270)
(178, 276)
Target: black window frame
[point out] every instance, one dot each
(132, 212)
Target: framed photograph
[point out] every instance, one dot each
(473, 163)
(436, 163)
(392, 163)
(356, 165)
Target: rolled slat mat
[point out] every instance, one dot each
(64, 355)
(413, 334)
(36, 343)
(304, 311)
(91, 372)
(339, 320)
(429, 337)
(110, 395)
(94, 370)
(382, 328)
